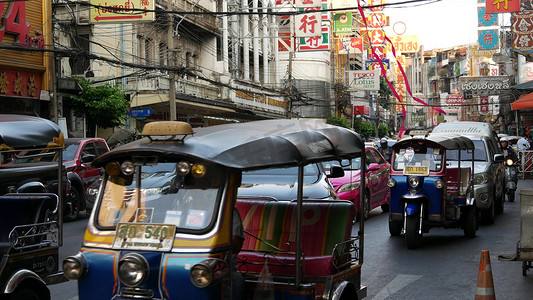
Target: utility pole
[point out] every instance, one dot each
(172, 62)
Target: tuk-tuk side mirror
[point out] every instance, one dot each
(498, 158)
(373, 166)
(87, 158)
(336, 172)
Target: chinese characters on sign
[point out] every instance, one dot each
(502, 6)
(522, 29)
(18, 83)
(483, 105)
(488, 39)
(486, 19)
(308, 25)
(121, 11)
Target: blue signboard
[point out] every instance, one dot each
(484, 19)
(375, 65)
(488, 39)
(142, 112)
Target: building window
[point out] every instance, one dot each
(80, 64)
(163, 54)
(148, 56)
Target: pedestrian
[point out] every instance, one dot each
(508, 152)
(523, 144)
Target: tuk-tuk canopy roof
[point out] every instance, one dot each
(449, 142)
(255, 145)
(20, 132)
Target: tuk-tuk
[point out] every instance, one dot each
(431, 182)
(30, 220)
(162, 224)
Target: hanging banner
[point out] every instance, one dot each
(363, 80)
(347, 45)
(488, 39)
(486, 19)
(342, 23)
(404, 43)
(502, 6)
(377, 36)
(377, 20)
(376, 5)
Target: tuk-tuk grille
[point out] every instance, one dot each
(136, 293)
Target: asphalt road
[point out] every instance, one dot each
(444, 267)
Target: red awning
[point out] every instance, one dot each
(525, 101)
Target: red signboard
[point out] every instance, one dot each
(502, 6)
(484, 105)
(361, 110)
(18, 83)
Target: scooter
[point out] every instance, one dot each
(511, 178)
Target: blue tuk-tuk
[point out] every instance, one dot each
(162, 224)
(431, 183)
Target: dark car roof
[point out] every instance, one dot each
(255, 145)
(20, 132)
(448, 141)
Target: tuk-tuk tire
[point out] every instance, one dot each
(74, 200)
(395, 228)
(412, 237)
(470, 221)
(385, 207)
(344, 290)
(499, 202)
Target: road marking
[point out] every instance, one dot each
(398, 283)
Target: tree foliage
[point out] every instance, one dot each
(338, 121)
(385, 93)
(383, 130)
(365, 129)
(105, 105)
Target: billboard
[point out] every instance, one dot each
(120, 11)
(404, 43)
(367, 80)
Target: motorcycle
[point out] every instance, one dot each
(511, 178)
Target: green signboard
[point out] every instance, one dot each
(342, 23)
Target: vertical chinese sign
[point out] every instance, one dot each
(522, 29)
(320, 41)
(22, 73)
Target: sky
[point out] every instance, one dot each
(442, 24)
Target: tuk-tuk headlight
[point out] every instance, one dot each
(198, 170)
(439, 183)
(481, 178)
(183, 168)
(74, 266)
(133, 269)
(208, 271)
(348, 187)
(112, 168)
(391, 182)
(201, 275)
(127, 167)
(509, 162)
(414, 181)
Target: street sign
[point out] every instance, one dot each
(140, 113)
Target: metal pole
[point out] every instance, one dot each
(172, 62)
(299, 223)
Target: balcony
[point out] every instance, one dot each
(197, 23)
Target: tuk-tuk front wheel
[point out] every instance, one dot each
(413, 236)
(470, 214)
(24, 294)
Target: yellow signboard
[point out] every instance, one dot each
(404, 43)
(120, 11)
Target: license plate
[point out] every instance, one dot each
(412, 170)
(143, 236)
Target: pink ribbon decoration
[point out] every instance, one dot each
(384, 74)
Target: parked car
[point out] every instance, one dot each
(348, 187)
(281, 183)
(77, 158)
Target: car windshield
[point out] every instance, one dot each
(346, 164)
(161, 197)
(34, 156)
(70, 151)
(480, 153)
(281, 175)
(418, 156)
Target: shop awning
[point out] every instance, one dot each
(524, 102)
(528, 85)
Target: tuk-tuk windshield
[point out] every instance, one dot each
(346, 164)
(162, 196)
(480, 153)
(418, 156)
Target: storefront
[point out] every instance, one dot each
(25, 76)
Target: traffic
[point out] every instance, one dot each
(278, 210)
